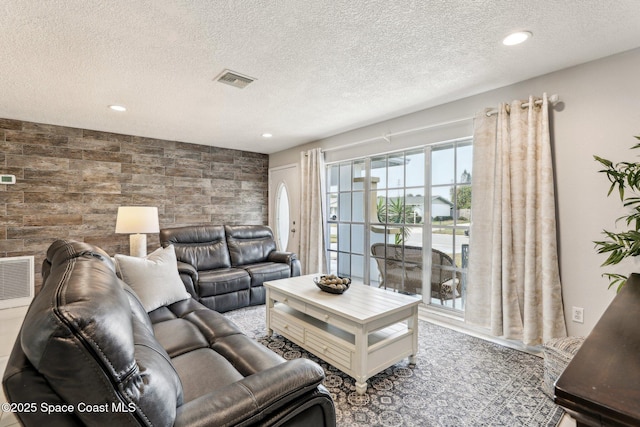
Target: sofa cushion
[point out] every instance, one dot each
(81, 335)
(219, 334)
(247, 355)
(204, 247)
(179, 336)
(208, 324)
(249, 244)
(222, 281)
(265, 271)
(227, 302)
(154, 279)
(213, 372)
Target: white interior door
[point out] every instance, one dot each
(284, 206)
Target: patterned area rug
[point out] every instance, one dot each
(459, 380)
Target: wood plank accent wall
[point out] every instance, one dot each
(71, 181)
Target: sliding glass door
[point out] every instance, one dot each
(384, 210)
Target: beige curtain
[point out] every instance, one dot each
(312, 254)
(514, 281)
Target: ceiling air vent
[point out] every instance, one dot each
(234, 79)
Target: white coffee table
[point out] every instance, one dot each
(361, 332)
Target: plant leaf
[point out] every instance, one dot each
(623, 176)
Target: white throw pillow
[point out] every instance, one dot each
(154, 279)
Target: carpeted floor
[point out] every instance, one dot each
(458, 380)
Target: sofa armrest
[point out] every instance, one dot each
(254, 397)
(189, 276)
(289, 258)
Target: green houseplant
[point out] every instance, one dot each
(625, 178)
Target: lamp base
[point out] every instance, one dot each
(138, 245)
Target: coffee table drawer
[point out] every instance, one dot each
(328, 318)
(286, 327)
(328, 350)
(293, 303)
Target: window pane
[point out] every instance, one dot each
(441, 204)
(333, 237)
(345, 177)
(395, 234)
(377, 235)
(442, 240)
(357, 239)
(374, 271)
(344, 237)
(358, 175)
(344, 264)
(333, 178)
(442, 166)
(380, 201)
(415, 205)
(333, 207)
(357, 266)
(415, 169)
(463, 203)
(396, 171)
(465, 162)
(333, 262)
(358, 206)
(379, 172)
(413, 236)
(282, 217)
(395, 207)
(344, 207)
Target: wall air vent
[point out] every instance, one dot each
(16, 281)
(234, 79)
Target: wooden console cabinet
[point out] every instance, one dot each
(601, 384)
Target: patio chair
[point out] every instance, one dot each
(445, 283)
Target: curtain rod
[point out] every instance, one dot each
(552, 99)
(387, 137)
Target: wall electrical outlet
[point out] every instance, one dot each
(577, 314)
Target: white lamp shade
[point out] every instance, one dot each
(137, 219)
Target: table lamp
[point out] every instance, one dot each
(136, 221)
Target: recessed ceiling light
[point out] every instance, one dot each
(517, 38)
(118, 108)
(267, 135)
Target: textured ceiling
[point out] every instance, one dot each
(322, 67)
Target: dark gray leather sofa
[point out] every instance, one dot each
(89, 354)
(224, 266)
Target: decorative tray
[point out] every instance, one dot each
(332, 283)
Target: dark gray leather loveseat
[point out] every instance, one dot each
(89, 354)
(224, 266)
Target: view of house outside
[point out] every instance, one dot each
(383, 210)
